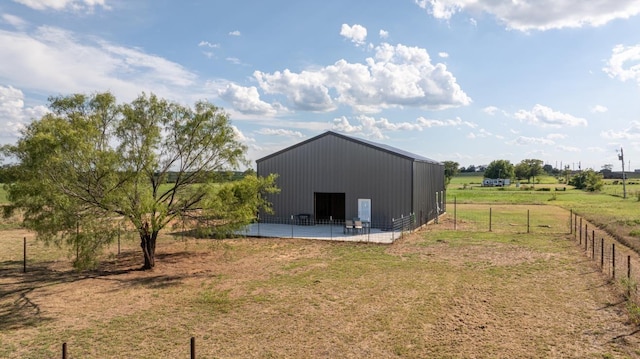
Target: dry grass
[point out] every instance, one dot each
(433, 294)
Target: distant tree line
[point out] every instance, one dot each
(529, 170)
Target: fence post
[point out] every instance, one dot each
(601, 253)
(586, 236)
(528, 227)
(580, 230)
(593, 246)
(24, 262)
(571, 221)
(193, 348)
(613, 260)
(292, 226)
(629, 277)
(64, 350)
(489, 219)
(119, 237)
(393, 229)
(455, 213)
(331, 227)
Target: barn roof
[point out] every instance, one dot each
(375, 145)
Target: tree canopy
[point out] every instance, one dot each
(499, 169)
(450, 170)
(588, 180)
(529, 169)
(91, 163)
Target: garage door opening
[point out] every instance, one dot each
(329, 205)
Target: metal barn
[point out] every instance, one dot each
(333, 177)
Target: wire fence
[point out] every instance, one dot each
(508, 218)
(617, 261)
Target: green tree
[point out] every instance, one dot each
(529, 169)
(499, 169)
(588, 180)
(450, 170)
(91, 164)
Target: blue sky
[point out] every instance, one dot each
(464, 80)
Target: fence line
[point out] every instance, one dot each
(509, 218)
(614, 259)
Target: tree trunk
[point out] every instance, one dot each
(148, 245)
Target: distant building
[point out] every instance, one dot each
(496, 182)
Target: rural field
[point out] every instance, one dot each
(435, 293)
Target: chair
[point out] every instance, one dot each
(348, 226)
(357, 226)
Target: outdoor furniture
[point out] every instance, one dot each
(357, 226)
(348, 226)
(304, 219)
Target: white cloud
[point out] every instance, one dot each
(397, 76)
(523, 141)
(568, 148)
(546, 117)
(14, 21)
(490, 110)
(246, 100)
(445, 123)
(13, 112)
(599, 109)
(69, 5)
(208, 44)
(384, 34)
(306, 90)
(443, 55)
(525, 15)
(630, 133)
(372, 127)
(280, 132)
(235, 33)
(556, 136)
(53, 60)
(624, 63)
(356, 33)
(342, 124)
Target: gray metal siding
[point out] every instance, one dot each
(428, 180)
(331, 163)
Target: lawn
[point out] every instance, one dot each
(607, 209)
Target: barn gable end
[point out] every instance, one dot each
(324, 177)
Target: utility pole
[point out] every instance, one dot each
(624, 185)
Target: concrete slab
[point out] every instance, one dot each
(319, 231)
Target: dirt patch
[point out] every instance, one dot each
(264, 298)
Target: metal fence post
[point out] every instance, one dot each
(528, 222)
(613, 260)
(580, 230)
(193, 348)
(292, 226)
(64, 350)
(571, 221)
(601, 253)
(455, 213)
(24, 262)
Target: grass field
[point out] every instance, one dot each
(607, 209)
(434, 294)
(437, 293)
